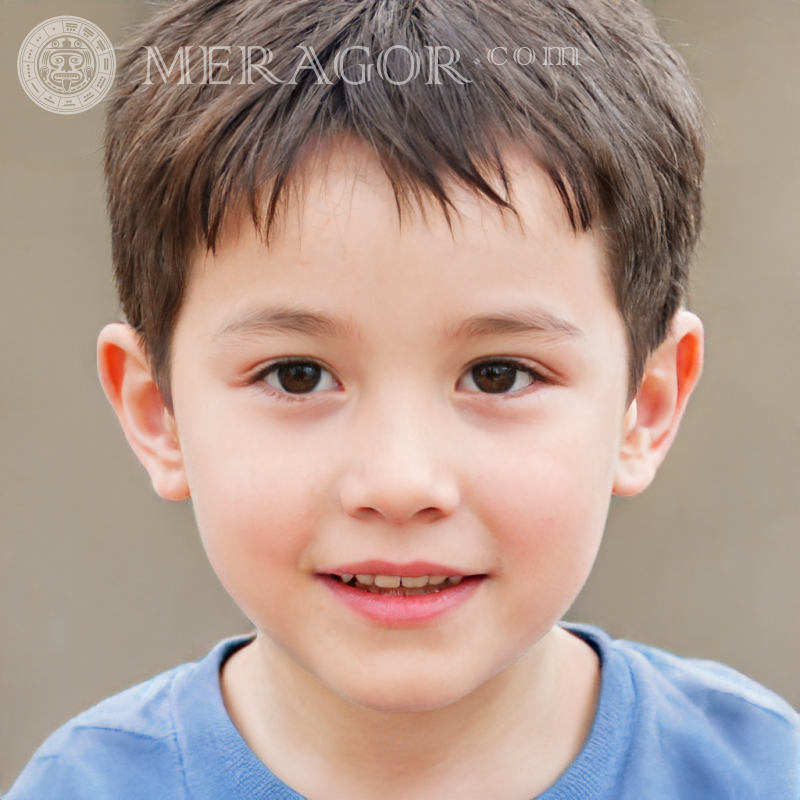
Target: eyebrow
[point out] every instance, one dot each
(537, 321)
(284, 320)
(290, 320)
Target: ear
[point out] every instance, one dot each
(654, 416)
(148, 425)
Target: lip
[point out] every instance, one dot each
(394, 611)
(413, 569)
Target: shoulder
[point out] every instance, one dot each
(126, 746)
(701, 681)
(716, 695)
(709, 722)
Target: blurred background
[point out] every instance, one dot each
(104, 585)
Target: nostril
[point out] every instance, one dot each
(399, 492)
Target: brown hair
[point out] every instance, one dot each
(620, 132)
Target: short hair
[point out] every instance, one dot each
(618, 126)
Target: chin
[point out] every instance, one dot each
(399, 700)
(399, 691)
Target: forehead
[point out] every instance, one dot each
(341, 244)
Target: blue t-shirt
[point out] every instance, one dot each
(666, 728)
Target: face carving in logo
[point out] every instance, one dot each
(66, 65)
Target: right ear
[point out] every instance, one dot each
(147, 423)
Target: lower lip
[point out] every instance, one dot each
(397, 611)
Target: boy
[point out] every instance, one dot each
(400, 338)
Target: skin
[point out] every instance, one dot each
(399, 456)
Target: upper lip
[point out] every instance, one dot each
(412, 569)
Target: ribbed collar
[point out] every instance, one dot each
(215, 757)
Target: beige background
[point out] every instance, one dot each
(104, 585)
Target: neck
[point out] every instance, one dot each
(523, 727)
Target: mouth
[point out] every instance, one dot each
(399, 585)
(401, 595)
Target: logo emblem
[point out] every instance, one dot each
(66, 65)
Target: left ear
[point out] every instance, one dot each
(671, 373)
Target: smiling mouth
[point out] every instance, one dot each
(398, 586)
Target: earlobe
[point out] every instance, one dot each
(148, 425)
(654, 417)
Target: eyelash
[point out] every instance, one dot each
(290, 397)
(536, 378)
(260, 377)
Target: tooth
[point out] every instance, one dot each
(365, 580)
(435, 580)
(346, 577)
(387, 581)
(455, 579)
(415, 583)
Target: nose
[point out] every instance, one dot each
(399, 470)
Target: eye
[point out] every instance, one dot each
(298, 377)
(499, 377)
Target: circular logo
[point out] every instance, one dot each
(66, 65)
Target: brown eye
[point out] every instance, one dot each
(299, 377)
(498, 377)
(494, 378)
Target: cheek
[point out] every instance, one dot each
(257, 510)
(546, 505)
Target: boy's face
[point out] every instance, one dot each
(455, 399)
